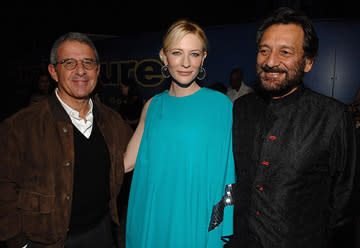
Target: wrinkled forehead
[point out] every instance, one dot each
(283, 35)
(75, 49)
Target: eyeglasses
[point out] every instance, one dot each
(70, 63)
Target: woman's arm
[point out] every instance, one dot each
(134, 143)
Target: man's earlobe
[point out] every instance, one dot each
(308, 64)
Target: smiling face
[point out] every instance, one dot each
(184, 58)
(78, 83)
(281, 64)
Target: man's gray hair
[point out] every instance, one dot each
(71, 36)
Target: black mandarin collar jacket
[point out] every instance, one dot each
(295, 164)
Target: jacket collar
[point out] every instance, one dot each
(289, 98)
(57, 109)
(61, 115)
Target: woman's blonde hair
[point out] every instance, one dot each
(178, 30)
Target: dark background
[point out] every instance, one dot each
(27, 27)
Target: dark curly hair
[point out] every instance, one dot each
(286, 15)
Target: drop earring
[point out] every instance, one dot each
(202, 73)
(165, 71)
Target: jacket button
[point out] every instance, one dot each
(65, 130)
(67, 163)
(272, 137)
(259, 187)
(67, 197)
(266, 163)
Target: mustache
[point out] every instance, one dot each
(274, 69)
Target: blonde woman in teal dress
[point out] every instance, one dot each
(182, 155)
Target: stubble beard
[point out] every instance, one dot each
(277, 87)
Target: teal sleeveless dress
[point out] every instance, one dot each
(184, 161)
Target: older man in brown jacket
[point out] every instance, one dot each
(61, 160)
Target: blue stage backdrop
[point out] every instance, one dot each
(335, 72)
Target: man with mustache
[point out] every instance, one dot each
(61, 159)
(294, 149)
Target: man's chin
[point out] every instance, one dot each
(271, 83)
(273, 92)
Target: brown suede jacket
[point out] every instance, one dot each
(36, 171)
